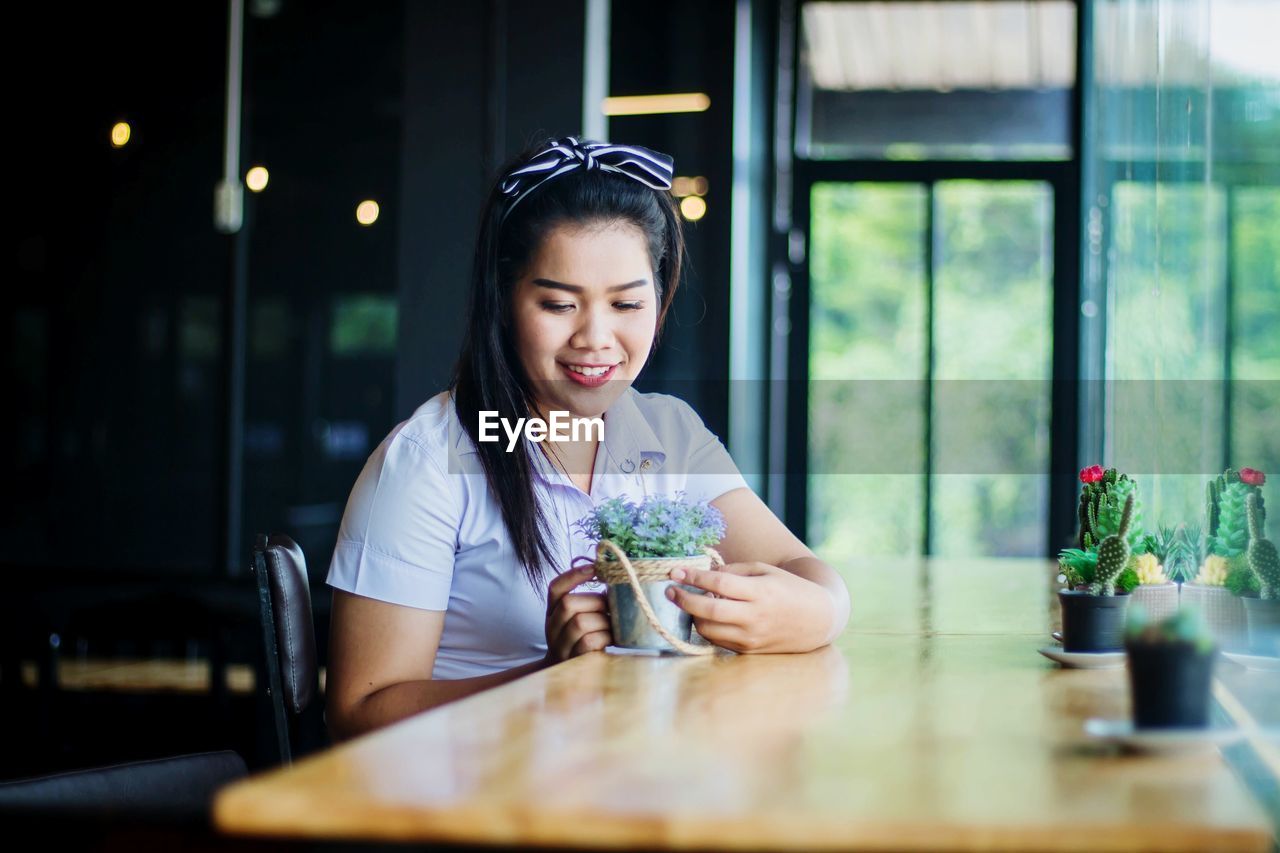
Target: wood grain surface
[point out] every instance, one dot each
(883, 741)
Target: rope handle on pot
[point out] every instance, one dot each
(643, 601)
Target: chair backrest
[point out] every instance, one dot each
(288, 633)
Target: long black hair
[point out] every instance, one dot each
(489, 375)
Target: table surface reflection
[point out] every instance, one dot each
(893, 740)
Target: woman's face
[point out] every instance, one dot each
(585, 313)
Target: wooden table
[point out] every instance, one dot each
(895, 740)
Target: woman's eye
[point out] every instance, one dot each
(628, 306)
(557, 307)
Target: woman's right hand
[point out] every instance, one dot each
(577, 622)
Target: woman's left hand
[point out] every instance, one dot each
(760, 608)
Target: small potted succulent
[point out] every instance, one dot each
(1170, 665)
(1157, 568)
(637, 547)
(1225, 579)
(1262, 613)
(1098, 574)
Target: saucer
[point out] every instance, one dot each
(1084, 660)
(644, 653)
(1165, 741)
(1258, 663)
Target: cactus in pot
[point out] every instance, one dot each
(1101, 573)
(1170, 664)
(1225, 580)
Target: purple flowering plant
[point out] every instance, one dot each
(658, 526)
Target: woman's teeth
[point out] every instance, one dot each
(588, 371)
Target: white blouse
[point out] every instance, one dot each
(422, 529)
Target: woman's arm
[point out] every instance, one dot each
(381, 655)
(775, 595)
(380, 661)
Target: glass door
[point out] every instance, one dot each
(930, 367)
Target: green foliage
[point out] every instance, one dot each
(1186, 626)
(1080, 567)
(1193, 536)
(1241, 581)
(1128, 579)
(1160, 542)
(658, 526)
(1177, 549)
(1264, 561)
(869, 314)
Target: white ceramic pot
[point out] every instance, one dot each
(1223, 614)
(1159, 600)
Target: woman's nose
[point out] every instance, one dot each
(594, 332)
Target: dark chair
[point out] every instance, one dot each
(178, 789)
(289, 646)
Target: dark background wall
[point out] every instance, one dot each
(518, 72)
(514, 73)
(116, 538)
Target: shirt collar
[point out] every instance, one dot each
(629, 439)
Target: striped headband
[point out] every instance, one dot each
(650, 168)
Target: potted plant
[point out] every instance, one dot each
(1224, 577)
(637, 547)
(1156, 570)
(1170, 665)
(1098, 575)
(1262, 614)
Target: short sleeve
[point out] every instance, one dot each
(398, 536)
(711, 470)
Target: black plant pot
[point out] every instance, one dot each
(1263, 619)
(1092, 623)
(1170, 684)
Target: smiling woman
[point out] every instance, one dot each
(578, 258)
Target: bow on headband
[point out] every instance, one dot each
(650, 168)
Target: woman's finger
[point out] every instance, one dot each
(566, 581)
(584, 623)
(750, 569)
(721, 583)
(706, 607)
(583, 633)
(594, 642)
(723, 634)
(572, 604)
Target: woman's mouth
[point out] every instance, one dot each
(590, 375)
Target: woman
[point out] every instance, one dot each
(441, 568)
